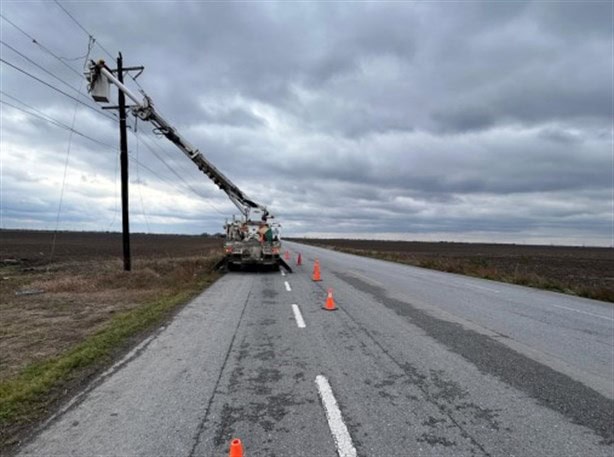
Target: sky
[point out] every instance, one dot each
(434, 120)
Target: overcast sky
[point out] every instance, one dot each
(477, 121)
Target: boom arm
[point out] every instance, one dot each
(145, 110)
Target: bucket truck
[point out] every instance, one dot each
(248, 241)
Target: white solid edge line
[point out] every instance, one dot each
(287, 284)
(581, 312)
(340, 432)
(298, 316)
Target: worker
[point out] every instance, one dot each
(262, 229)
(268, 235)
(243, 231)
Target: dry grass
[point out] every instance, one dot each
(79, 298)
(90, 310)
(585, 272)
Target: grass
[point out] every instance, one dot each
(481, 267)
(151, 293)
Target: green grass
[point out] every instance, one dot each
(26, 398)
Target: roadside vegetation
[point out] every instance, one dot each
(582, 271)
(66, 320)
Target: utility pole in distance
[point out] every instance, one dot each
(123, 159)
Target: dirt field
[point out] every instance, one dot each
(34, 248)
(65, 317)
(588, 272)
(48, 306)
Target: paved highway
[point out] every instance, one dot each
(413, 363)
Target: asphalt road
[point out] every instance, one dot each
(413, 363)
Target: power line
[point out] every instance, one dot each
(51, 120)
(42, 68)
(91, 36)
(60, 59)
(88, 33)
(77, 132)
(84, 29)
(161, 178)
(183, 169)
(68, 149)
(56, 89)
(164, 151)
(41, 46)
(92, 40)
(138, 180)
(182, 179)
(115, 209)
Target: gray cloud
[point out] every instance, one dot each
(460, 120)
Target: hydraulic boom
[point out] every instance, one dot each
(247, 242)
(144, 109)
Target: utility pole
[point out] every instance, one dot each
(123, 159)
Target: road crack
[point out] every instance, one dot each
(201, 425)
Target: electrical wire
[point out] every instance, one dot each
(83, 28)
(186, 172)
(89, 34)
(77, 132)
(51, 120)
(67, 84)
(171, 156)
(92, 40)
(115, 209)
(182, 179)
(51, 86)
(38, 66)
(138, 162)
(66, 162)
(41, 46)
(138, 180)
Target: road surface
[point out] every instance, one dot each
(413, 363)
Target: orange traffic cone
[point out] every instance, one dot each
(236, 448)
(330, 302)
(316, 271)
(287, 255)
(299, 259)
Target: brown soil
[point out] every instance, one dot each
(33, 248)
(48, 306)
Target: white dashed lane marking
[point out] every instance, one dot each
(287, 284)
(298, 316)
(340, 432)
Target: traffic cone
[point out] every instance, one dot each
(330, 302)
(236, 448)
(299, 259)
(316, 271)
(287, 255)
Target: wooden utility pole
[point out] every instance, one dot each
(123, 159)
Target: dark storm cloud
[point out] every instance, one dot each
(483, 118)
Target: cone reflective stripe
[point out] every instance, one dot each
(236, 448)
(330, 301)
(316, 271)
(299, 259)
